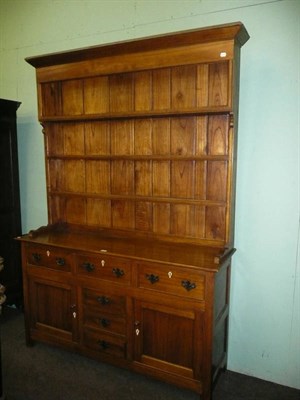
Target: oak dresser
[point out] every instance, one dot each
(133, 267)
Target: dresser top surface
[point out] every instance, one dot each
(103, 242)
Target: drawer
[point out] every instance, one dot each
(171, 279)
(105, 343)
(49, 257)
(104, 321)
(104, 302)
(114, 269)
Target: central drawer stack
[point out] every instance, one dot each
(104, 321)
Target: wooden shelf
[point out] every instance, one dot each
(140, 157)
(137, 114)
(149, 199)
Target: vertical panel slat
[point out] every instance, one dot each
(215, 223)
(56, 175)
(216, 180)
(96, 95)
(76, 210)
(73, 139)
(183, 136)
(161, 178)
(51, 104)
(161, 141)
(143, 137)
(202, 85)
(97, 138)
(143, 216)
(99, 213)
(143, 178)
(122, 177)
(55, 139)
(74, 176)
(200, 180)
(218, 135)
(161, 218)
(183, 87)
(56, 209)
(181, 219)
(122, 142)
(123, 214)
(198, 222)
(218, 84)
(72, 97)
(121, 92)
(201, 136)
(143, 91)
(98, 177)
(182, 179)
(161, 85)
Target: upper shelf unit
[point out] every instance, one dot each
(184, 73)
(140, 136)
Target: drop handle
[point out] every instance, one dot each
(104, 322)
(152, 278)
(61, 262)
(103, 344)
(118, 272)
(36, 257)
(188, 285)
(89, 267)
(103, 300)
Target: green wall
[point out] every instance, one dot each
(264, 339)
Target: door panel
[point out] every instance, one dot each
(53, 309)
(165, 338)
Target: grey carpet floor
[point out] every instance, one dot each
(43, 372)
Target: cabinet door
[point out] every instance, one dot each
(169, 339)
(52, 311)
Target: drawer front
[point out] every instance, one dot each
(104, 302)
(104, 321)
(105, 343)
(175, 280)
(109, 268)
(49, 257)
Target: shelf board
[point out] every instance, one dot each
(113, 157)
(135, 198)
(138, 114)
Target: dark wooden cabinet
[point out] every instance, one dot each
(10, 215)
(140, 144)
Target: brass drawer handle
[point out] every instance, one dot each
(118, 272)
(103, 300)
(36, 257)
(89, 267)
(188, 285)
(103, 344)
(104, 322)
(152, 278)
(61, 262)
